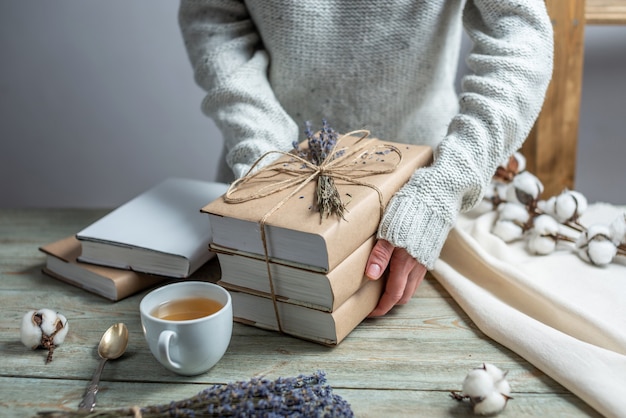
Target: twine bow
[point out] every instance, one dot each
(341, 163)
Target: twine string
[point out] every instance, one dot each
(338, 165)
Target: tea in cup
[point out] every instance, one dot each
(187, 325)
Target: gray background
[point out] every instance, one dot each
(98, 103)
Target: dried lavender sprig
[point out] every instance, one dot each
(301, 396)
(328, 198)
(320, 145)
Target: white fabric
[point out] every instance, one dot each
(566, 317)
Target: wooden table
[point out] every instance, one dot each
(404, 364)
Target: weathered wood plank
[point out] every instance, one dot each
(65, 395)
(422, 326)
(605, 12)
(418, 327)
(550, 149)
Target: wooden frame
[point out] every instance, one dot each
(551, 147)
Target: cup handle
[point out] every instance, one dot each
(164, 347)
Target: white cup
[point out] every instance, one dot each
(192, 346)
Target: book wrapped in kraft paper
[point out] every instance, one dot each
(327, 328)
(114, 284)
(316, 290)
(295, 234)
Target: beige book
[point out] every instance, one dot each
(294, 233)
(328, 328)
(111, 283)
(323, 291)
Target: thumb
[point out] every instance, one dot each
(378, 259)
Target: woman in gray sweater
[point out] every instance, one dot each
(387, 66)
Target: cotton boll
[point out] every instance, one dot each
(511, 222)
(513, 212)
(581, 202)
(547, 206)
(521, 161)
(53, 324)
(617, 229)
(487, 389)
(542, 238)
(525, 189)
(492, 404)
(43, 328)
(62, 332)
(507, 231)
(569, 205)
(545, 225)
(503, 387)
(595, 245)
(540, 244)
(510, 168)
(500, 191)
(499, 378)
(49, 321)
(493, 197)
(601, 253)
(478, 384)
(30, 332)
(494, 372)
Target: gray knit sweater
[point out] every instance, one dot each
(388, 66)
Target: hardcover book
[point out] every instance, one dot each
(160, 231)
(328, 328)
(295, 234)
(113, 284)
(296, 285)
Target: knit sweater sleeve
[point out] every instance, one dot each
(511, 65)
(231, 65)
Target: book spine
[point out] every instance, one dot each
(297, 285)
(305, 323)
(354, 310)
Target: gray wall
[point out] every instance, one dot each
(601, 162)
(98, 103)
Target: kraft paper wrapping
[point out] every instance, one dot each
(340, 237)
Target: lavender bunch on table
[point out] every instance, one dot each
(301, 396)
(321, 148)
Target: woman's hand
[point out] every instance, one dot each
(405, 275)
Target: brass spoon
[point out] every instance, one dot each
(112, 345)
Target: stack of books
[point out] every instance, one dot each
(157, 235)
(316, 265)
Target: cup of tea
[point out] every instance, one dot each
(187, 325)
